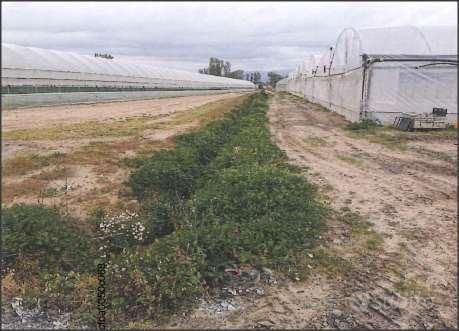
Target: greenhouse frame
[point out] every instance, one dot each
(34, 76)
(380, 73)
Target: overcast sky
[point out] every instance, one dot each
(252, 36)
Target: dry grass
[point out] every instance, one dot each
(411, 234)
(207, 113)
(22, 164)
(54, 173)
(351, 160)
(410, 287)
(90, 129)
(100, 162)
(29, 187)
(127, 127)
(394, 139)
(316, 141)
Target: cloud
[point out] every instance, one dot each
(252, 35)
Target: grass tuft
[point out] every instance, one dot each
(316, 141)
(351, 160)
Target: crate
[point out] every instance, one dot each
(410, 122)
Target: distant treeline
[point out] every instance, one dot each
(218, 67)
(105, 56)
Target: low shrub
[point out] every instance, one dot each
(154, 281)
(243, 194)
(73, 292)
(51, 260)
(173, 173)
(206, 143)
(117, 231)
(364, 124)
(162, 217)
(263, 214)
(250, 146)
(36, 232)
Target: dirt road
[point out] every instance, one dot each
(409, 195)
(404, 276)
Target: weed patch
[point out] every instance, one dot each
(225, 196)
(332, 265)
(395, 139)
(35, 232)
(361, 229)
(30, 187)
(374, 242)
(90, 129)
(55, 173)
(351, 160)
(410, 287)
(364, 125)
(316, 141)
(25, 163)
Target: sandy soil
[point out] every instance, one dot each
(49, 116)
(411, 198)
(94, 180)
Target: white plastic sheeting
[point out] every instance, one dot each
(380, 73)
(15, 101)
(282, 84)
(41, 67)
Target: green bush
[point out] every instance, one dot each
(243, 194)
(251, 145)
(162, 217)
(225, 196)
(267, 212)
(173, 173)
(71, 292)
(154, 281)
(118, 231)
(36, 232)
(206, 143)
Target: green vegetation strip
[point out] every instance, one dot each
(224, 197)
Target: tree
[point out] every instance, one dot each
(219, 67)
(237, 74)
(227, 69)
(256, 78)
(216, 66)
(274, 78)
